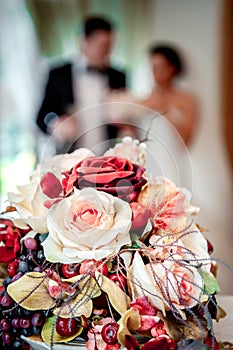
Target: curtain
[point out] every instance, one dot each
(19, 93)
(227, 77)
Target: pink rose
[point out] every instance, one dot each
(169, 205)
(181, 284)
(114, 175)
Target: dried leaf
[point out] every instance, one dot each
(118, 298)
(30, 292)
(81, 305)
(129, 321)
(86, 284)
(179, 330)
(3, 270)
(49, 332)
(190, 344)
(221, 313)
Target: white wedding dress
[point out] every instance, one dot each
(167, 154)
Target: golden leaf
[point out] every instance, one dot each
(30, 292)
(81, 305)
(117, 297)
(130, 320)
(86, 284)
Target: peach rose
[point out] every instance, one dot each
(168, 285)
(89, 224)
(170, 206)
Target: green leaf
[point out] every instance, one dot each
(42, 237)
(134, 245)
(211, 285)
(49, 332)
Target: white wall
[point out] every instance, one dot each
(194, 26)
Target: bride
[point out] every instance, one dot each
(170, 113)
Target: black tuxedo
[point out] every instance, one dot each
(59, 95)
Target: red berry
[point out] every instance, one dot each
(119, 279)
(70, 270)
(66, 327)
(12, 268)
(109, 333)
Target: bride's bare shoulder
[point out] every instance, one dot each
(185, 97)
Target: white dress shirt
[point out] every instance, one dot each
(90, 91)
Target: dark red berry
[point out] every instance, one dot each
(25, 322)
(15, 322)
(66, 327)
(5, 324)
(119, 279)
(70, 270)
(37, 319)
(7, 338)
(109, 333)
(6, 300)
(17, 276)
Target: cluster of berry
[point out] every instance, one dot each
(14, 319)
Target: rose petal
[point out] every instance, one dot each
(50, 185)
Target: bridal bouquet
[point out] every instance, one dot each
(101, 250)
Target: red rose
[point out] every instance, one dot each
(116, 176)
(9, 239)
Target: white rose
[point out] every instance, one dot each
(89, 224)
(29, 201)
(130, 149)
(29, 204)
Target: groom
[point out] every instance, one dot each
(78, 85)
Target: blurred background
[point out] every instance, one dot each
(36, 34)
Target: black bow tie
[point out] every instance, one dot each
(94, 69)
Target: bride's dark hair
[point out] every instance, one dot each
(171, 54)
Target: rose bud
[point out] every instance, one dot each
(140, 216)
